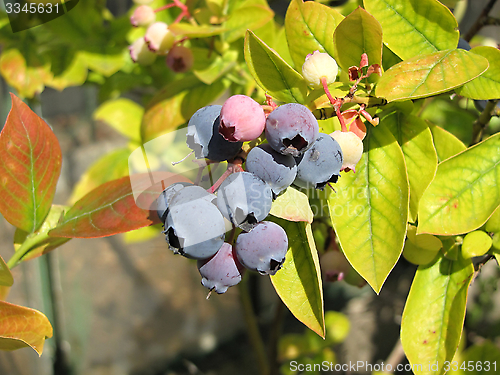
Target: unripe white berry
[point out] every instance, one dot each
(140, 53)
(317, 66)
(143, 2)
(352, 148)
(180, 59)
(159, 38)
(143, 15)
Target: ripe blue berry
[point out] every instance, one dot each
(263, 249)
(276, 169)
(242, 119)
(320, 164)
(291, 129)
(165, 197)
(194, 226)
(222, 270)
(244, 199)
(203, 136)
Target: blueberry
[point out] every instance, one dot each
(291, 129)
(222, 270)
(320, 164)
(244, 199)
(276, 169)
(263, 249)
(164, 199)
(203, 136)
(194, 227)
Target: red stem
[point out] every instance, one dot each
(336, 102)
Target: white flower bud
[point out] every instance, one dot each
(159, 38)
(317, 66)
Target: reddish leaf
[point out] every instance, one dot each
(21, 326)
(111, 208)
(30, 164)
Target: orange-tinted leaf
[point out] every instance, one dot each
(21, 326)
(30, 164)
(6, 278)
(113, 207)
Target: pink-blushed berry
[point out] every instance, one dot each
(159, 38)
(242, 119)
(143, 15)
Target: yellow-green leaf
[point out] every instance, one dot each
(246, 17)
(358, 33)
(309, 27)
(292, 205)
(369, 211)
(431, 74)
(487, 85)
(6, 278)
(195, 31)
(434, 314)
(413, 28)
(464, 193)
(298, 283)
(445, 143)
(476, 243)
(123, 115)
(422, 248)
(21, 327)
(415, 139)
(272, 73)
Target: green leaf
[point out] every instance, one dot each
(292, 205)
(142, 234)
(483, 358)
(487, 85)
(195, 31)
(445, 143)
(464, 193)
(358, 33)
(434, 314)
(476, 243)
(246, 17)
(413, 28)
(493, 223)
(272, 73)
(422, 248)
(209, 67)
(176, 103)
(104, 63)
(74, 74)
(430, 74)
(6, 278)
(21, 327)
(309, 27)
(109, 167)
(123, 115)
(370, 209)
(298, 283)
(30, 165)
(415, 139)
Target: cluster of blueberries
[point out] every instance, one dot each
(196, 221)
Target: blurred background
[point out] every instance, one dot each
(124, 305)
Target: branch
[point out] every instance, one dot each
(482, 121)
(480, 22)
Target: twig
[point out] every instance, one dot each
(480, 22)
(482, 121)
(395, 357)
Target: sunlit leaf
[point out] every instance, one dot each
(272, 73)
(309, 27)
(369, 210)
(445, 143)
(105, 64)
(142, 234)
(487, 85)
(415, 139)
(109, 167)
(195, 31)
(464, 193)
(75, 74)
(246, 17)
(358, 33)
(123, 115)
(109, 209)
(30, 164)
(209, 66)
(28, 80)
(298, 283)
(21, 327)
(6, 278)
(434, 314)
(292, 205)
(413, 28)
(431, 74)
